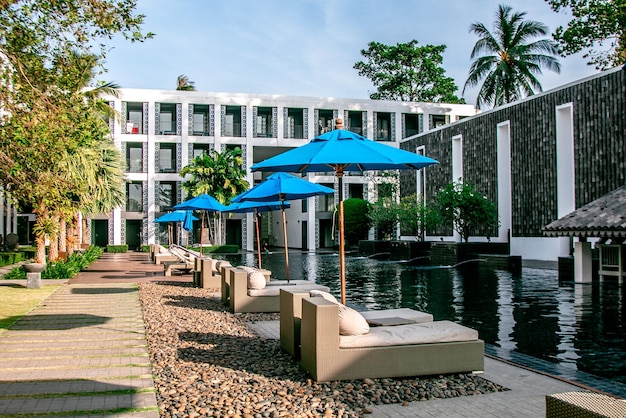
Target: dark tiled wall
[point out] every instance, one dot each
(599, 121)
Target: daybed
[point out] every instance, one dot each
(386, 351)
(291, 316)
(225, 285)
(244, 297)
(162, 255)
(185, 262)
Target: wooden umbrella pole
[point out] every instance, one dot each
(258, 237)
(282, 206)
(342, 253)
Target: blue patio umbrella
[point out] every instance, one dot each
(174, 217)
(203, 203)
(341, 151)
(256, 207)
(282, 187)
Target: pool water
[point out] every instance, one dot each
(581, 327)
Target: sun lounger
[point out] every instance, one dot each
(185, 262)
(291, 316)
(429, 348)
(267, 299)
(161, 255)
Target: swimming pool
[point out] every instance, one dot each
(580, 327)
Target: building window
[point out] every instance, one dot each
(232, 121)
(167, 119)
(355, 122)
(134, 197)
(200, 149)
(355, 191)
(438, 120)
(134, 157)
(295, 123)
(413, 124)
(200, 120)
(305, 205)
(325, 121)
(166, 195)
(263, 122)
(134, 118)
(167, 158)
(327, 201)
(383, 126)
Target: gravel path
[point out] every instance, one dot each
(207, 362)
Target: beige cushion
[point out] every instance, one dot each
(256, 280)
(351, 322)
(221, 264)
(246, 268)
(321, 294)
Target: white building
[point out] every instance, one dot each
(159, 132)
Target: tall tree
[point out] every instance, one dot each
(220, 175)
(44, 122)
(507, 61)
(183, 83)
(595, 24)
(407, 72)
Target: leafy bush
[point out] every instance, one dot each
(221, 249)
(145, 248)
(62, 269)
(356, 223)
(117, 248)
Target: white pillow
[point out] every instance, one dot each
(256, 280)
(351, 322)
(321, 294)
(246, 268)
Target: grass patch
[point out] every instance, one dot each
(17, 301)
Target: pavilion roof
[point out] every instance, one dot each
(604, 217)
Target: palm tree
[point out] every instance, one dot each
(220, 175)
(511, 61)
(183, 83)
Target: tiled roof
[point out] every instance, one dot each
(604, 217)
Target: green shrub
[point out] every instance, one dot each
(62, 269)
(221, 249)
(117, 248)
(145, 248)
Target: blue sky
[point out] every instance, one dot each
(305, 47)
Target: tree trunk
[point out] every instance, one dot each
(85, 236)
(63, 236)
(53, 248)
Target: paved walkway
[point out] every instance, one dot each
(83, 352)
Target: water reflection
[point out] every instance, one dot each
(581, 326)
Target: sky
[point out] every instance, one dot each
(306, 47)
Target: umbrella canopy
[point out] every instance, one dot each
(340, 151)
(204, 203)
(176, 216)
(256, 207)
(282, 187)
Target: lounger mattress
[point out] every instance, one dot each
(423, 333)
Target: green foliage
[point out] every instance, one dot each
(184, 84)
(407, 72)
(384, 217)
(221, 249)
(6, 259)
(356, 223)
(415, 217)
(146, 248)
(595, 24)
(61, 269)
(469, 211)
(123, 248)
(506, 61)
(220, 175)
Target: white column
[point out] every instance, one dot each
(504, 180)
(582, 262)
(457, 168)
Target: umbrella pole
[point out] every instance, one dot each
(258, 236)
(342, 253)
(285, 238)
